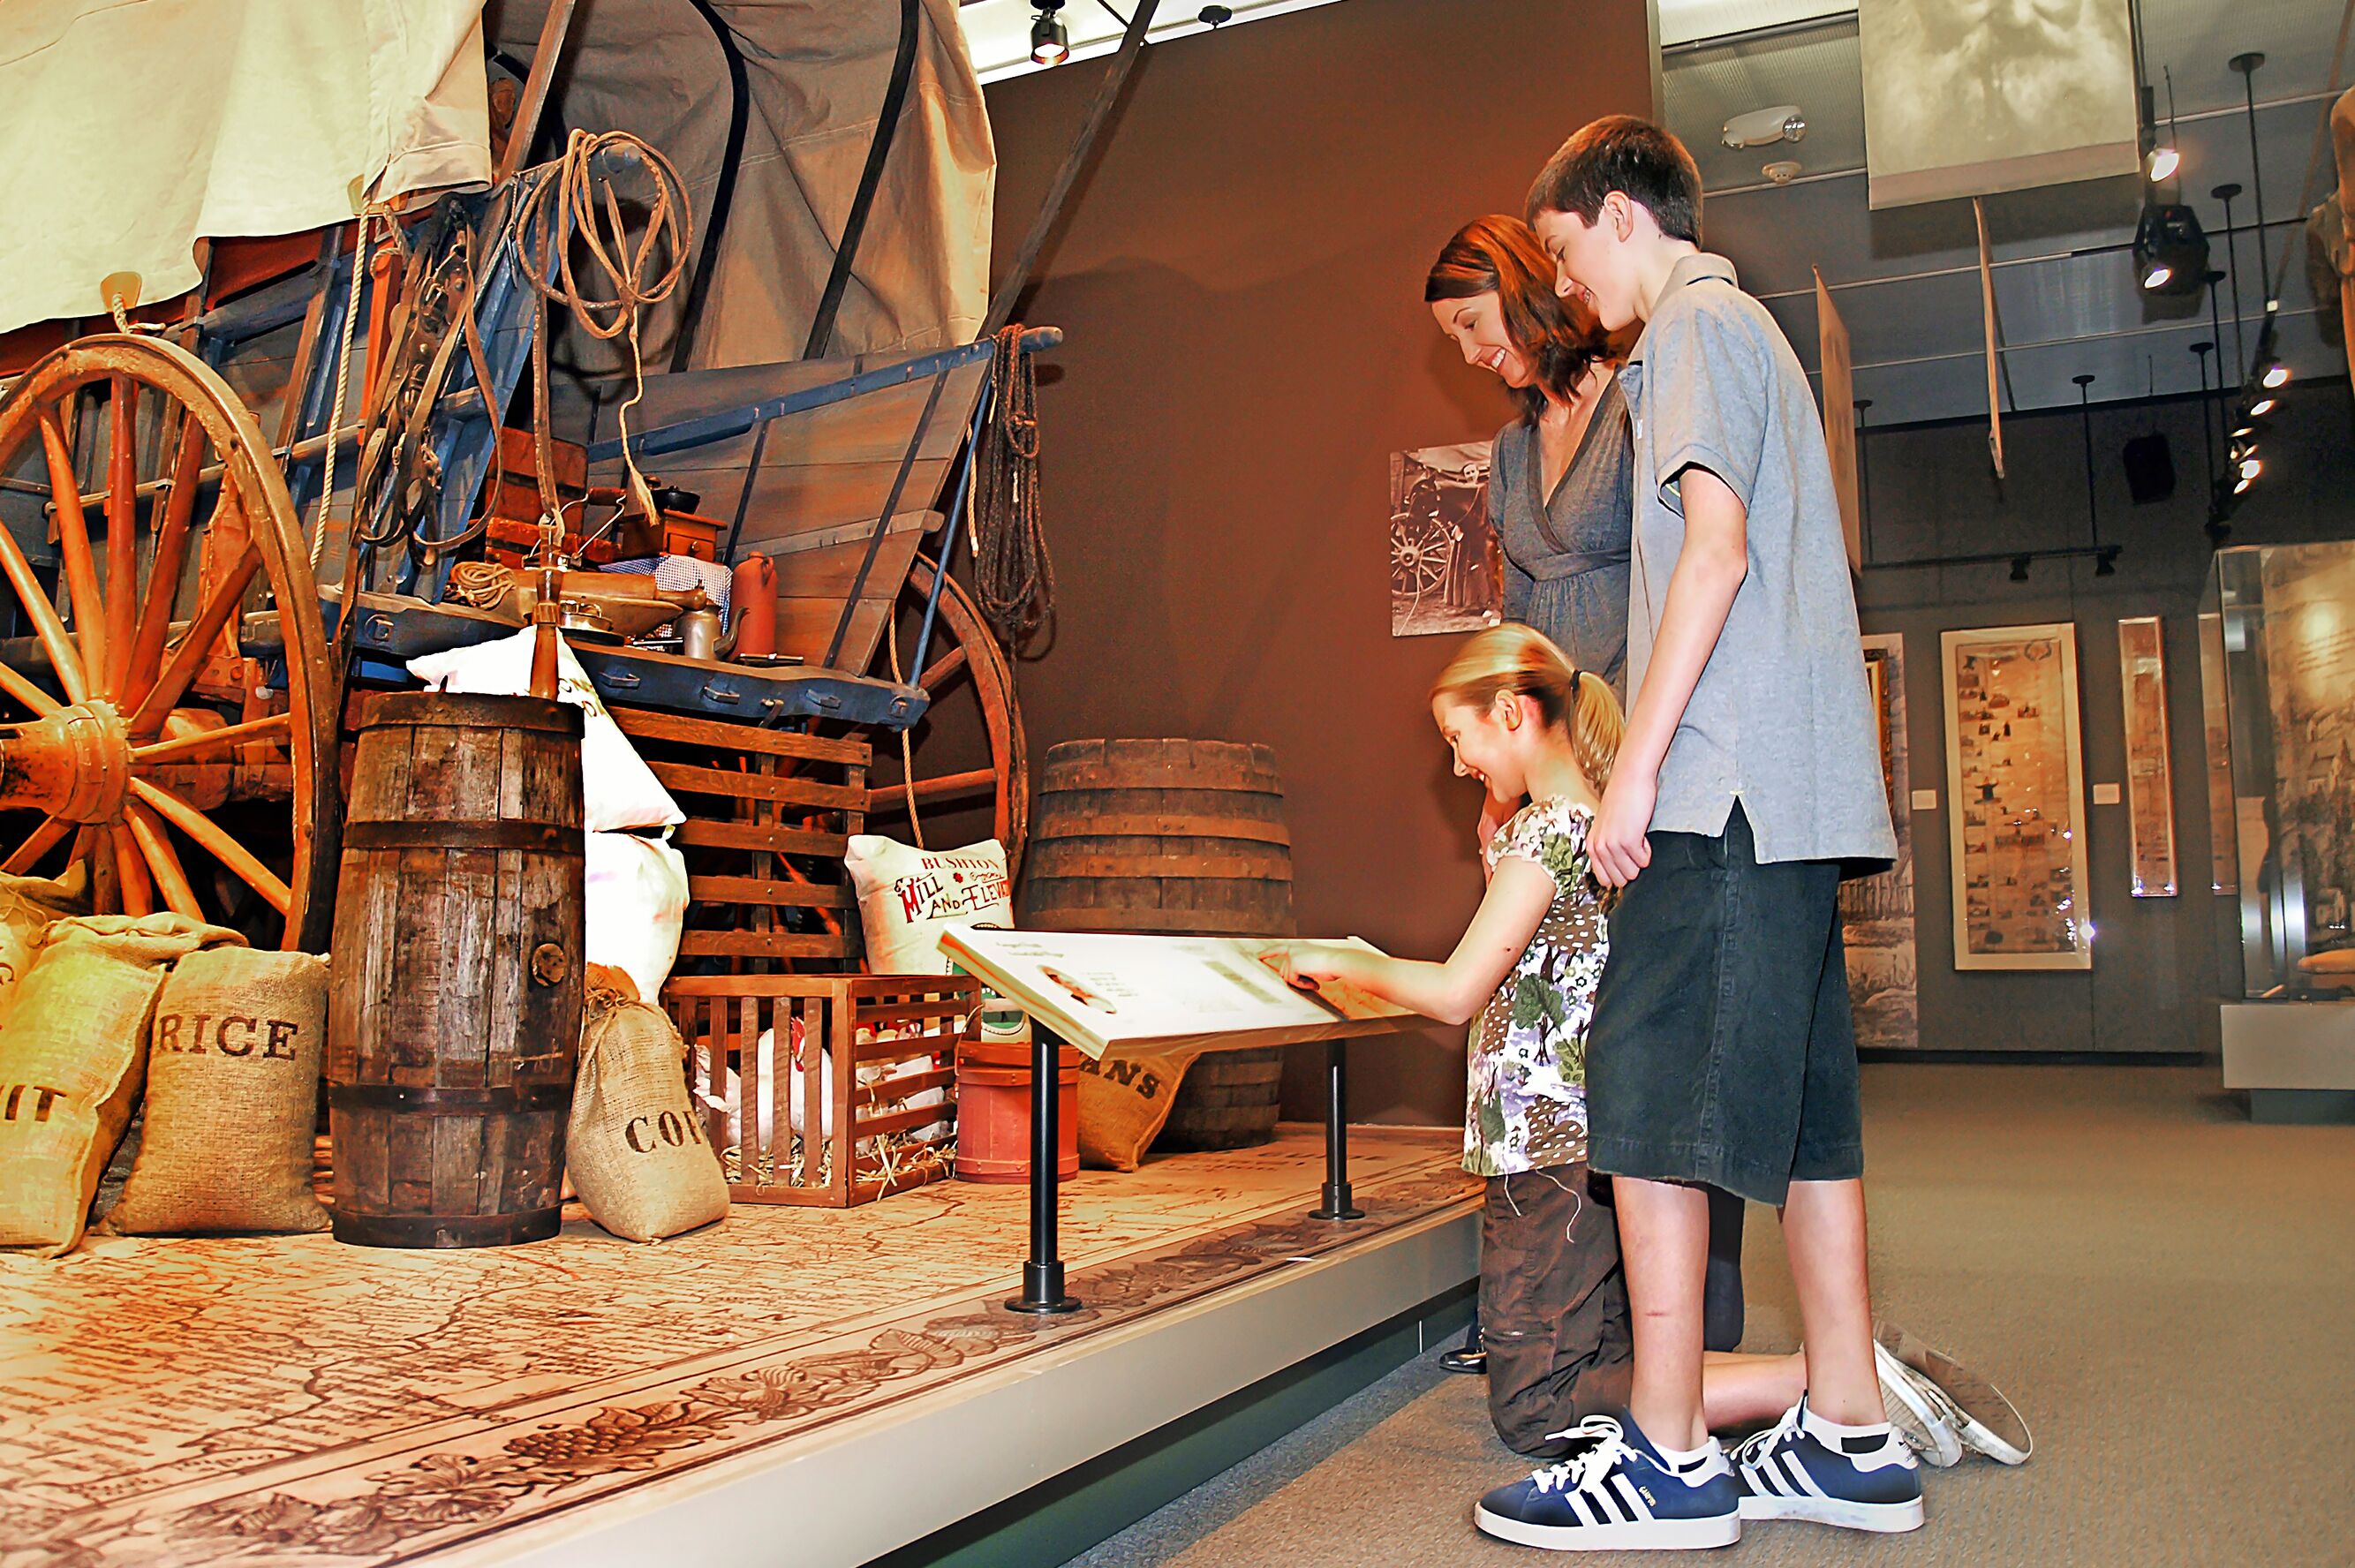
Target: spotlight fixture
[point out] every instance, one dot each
(2171, 248)
(1050, 43)
(2251, 466)
(2105, 561)
(2244, 484)
(2162, 164)
(1217, 16)
(2260, 408)
(1765, 127)
(2273, 377)
(2019, 569)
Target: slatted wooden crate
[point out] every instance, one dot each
(862, 1022)
(769, 816)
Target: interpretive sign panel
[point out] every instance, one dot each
(2150, 777)
(1160, 993)
(2016, 789)
(1877, 912)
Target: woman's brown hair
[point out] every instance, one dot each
(1499, 254)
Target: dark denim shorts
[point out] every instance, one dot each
(1721, 1050)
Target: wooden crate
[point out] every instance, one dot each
(862, 1021)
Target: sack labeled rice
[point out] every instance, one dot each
(232, 1098)
(72, 1062)
(1124, 1101)
(635, 1148)
(27, 906)
(907, 897)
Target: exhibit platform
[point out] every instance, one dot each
(791, 1386)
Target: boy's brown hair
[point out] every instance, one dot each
(1623, 153)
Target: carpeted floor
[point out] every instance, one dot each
(2166, 1290)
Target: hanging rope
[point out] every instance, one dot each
(344, 376)
(1012, 576)
(576, 197)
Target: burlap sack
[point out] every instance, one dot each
(634, 1148)
(72, 1061)
(232, 1098)
(1124, 1100)
(27, 906)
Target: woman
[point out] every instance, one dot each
(1561, 498)
(1562, 474)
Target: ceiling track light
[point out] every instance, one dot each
(2273, 377)
(2260, 408)
(2171, 248)
(1050, 42)
(2019, 569)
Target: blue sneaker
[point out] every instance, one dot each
(1617, 1495)
(1796, 1470)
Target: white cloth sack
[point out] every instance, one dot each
(635, 905)
(618, 790)
(769, 1069)
(907, 896)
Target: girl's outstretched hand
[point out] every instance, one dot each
(1617, 846)
(1302, 964)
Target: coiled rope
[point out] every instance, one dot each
(577, 197)
(1012, 577)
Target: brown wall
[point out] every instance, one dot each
(1241, 280)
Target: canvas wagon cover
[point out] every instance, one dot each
(129, 129)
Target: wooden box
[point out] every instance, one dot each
(863, 1022)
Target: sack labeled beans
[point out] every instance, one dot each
(635, 1148)
(1124, 1101)
(27, 907)
(72, 1060)
(232, 1098)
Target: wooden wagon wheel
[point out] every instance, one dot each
(149, 734)
(966, 664)
(1422, 552)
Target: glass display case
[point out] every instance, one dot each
(2277, 668)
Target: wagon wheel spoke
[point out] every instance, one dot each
(25, 692)
(189, 657)
(73, 544)
(46, 838)
(47, 625)
(163, 861)
(216, 842)
(121, 529)
(183, 748)
(943, 669)
(137, 888)
(92, 846)
(172, 538)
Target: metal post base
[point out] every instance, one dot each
(1337, 1204)
(1042, 1292)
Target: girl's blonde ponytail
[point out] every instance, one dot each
(1524, 661)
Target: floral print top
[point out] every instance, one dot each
(1526, 1106)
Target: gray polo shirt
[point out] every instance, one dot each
(1782, 719)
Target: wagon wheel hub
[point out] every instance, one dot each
(73, 763)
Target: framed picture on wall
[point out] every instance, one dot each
(2016, 798)
(2150, 779)
(1877, 912)
(1448, 566)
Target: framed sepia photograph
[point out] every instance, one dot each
(2016, 798)
(1448, 566)
(2150, 778)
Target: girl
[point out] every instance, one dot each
(1553, 1306)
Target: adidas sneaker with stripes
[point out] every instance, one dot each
(1804, 1467)
(1619, 1493)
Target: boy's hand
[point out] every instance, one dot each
(1617, 846)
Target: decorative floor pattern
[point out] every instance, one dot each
(292, 1402)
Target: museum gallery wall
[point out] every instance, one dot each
(1241, 280)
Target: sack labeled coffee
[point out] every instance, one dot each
(232, 1098)
(1124, 1100)
(29, 905)
(72, 1062)
(635, 1148)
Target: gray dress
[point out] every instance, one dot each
(1566, 571)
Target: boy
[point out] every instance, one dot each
(1722, 1050)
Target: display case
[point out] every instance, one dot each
(2277, 663)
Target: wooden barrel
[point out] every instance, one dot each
(1174, 836)
(1160, 836)
(454, 1019)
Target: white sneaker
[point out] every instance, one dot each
(1973, 1407)
(1916, 1410)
